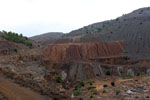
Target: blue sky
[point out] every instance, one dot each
(32, 17)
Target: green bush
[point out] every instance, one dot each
(108, 72)
(77, 92)
(90, 83)
(14, 37)
(90, 88)
(58, 79)
(104, 91)
(15, 50)
(81, 84)
(105, 85)
(94, 92)
(138, 73)
(112, 84)
(91, 96)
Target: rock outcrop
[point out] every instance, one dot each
(82, 51)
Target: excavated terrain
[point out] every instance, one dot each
(82, 51)
(95, 65)
(103, 61)
(132, 28)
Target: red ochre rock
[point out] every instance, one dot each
(82, 51)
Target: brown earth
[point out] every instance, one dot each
(14, 92)
(82, 51)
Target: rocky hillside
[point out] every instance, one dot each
(47, 38)
(137, 16)
(132, 28)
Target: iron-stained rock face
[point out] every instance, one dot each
(82, 51)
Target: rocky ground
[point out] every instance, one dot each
(27, 70)
(135, 88)
(14, 91)
(32, 76)
(2, 97)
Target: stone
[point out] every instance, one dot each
(148, 72)
(130, 72)
(63, 75)
(129, 92)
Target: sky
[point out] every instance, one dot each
(33, 17)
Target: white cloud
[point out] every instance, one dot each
(32, 17)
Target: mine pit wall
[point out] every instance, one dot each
(82, 51)
(81, 61)
(83, 71)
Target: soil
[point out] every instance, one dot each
(14, 91)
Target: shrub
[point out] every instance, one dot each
(91, 96)
(58, 79)
(94, 92)
(14, 37)
(90, 83)
(112, 84)
(90, 88)
(108, 72)
(77, 92)
(104, 91)
(105, 85)
(38, 45)
(81, 84)
(15, 50)
(138, 73)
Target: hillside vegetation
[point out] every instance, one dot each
(15, 37)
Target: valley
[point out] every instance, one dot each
(107, 60)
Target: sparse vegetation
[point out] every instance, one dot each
(97, 74)
(15, 50)
(108, 72)
(80, 85)
(105, 85)
(58, 79)
(90, 82)
(94, 92)
(138, 73)
(15, 37)
(104, 91)
(91, 96)
(76, 92)
(112, 84)
(90, 88)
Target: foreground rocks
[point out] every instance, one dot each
(30, 72)
(2, 97)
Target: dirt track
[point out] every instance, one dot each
(15, 92)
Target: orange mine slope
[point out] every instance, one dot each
(82, 51)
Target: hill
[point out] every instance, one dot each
(137, 17)
(47, 38)
(132, 28)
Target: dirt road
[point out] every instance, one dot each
(14, 91)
